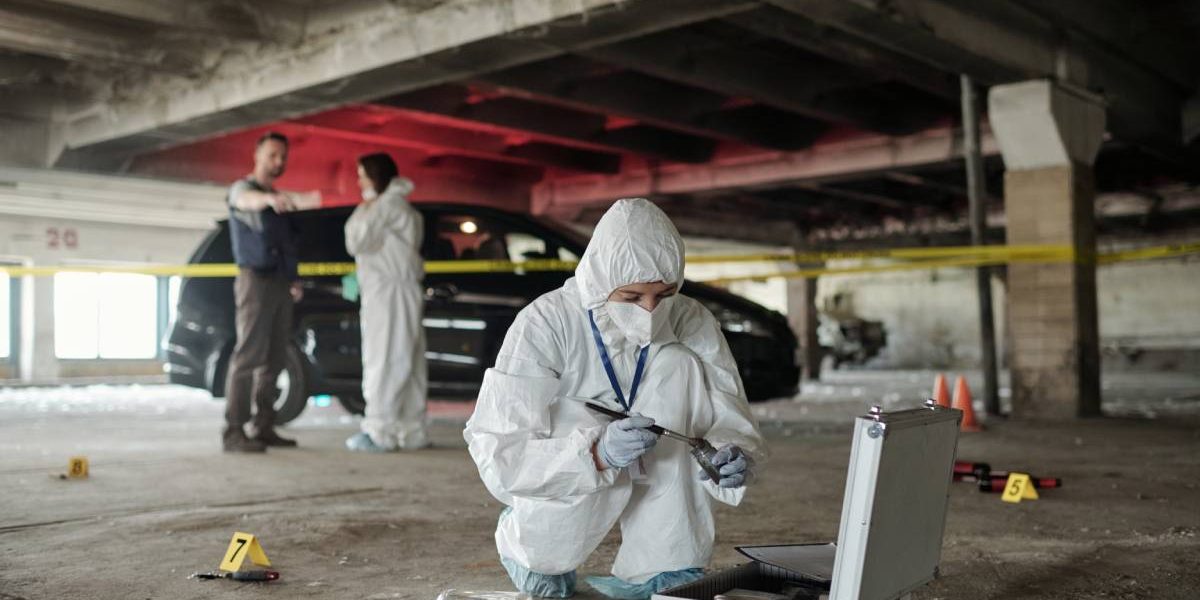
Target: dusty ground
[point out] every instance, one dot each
(163, 501)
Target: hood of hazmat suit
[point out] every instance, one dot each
(532, 438)
(634, 242)
(384, 236)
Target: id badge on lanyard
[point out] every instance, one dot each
(637, 470)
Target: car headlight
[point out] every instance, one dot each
(734, 321)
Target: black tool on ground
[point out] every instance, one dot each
(702, 451)
(976, 469)
(994, 481)
(256, 575)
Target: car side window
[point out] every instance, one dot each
(567, 255)
(458, 236)
(523, 246)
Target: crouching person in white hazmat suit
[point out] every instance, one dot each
(618, 334)
(384, 236)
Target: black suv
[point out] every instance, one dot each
(466, 315)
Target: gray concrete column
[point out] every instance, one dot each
(29, 141)
(1049, 137)
(802, 316)
(38, 362)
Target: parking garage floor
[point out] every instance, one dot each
(162, 500)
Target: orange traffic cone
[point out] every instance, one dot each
(941, 394)
(962, 401)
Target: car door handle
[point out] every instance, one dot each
(441, 291)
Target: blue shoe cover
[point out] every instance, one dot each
(361, 442)
(536, 584)
(619, 589)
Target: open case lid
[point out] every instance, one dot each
(798, 562)
(894, 508)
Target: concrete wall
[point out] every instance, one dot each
(931, 317)
(33, 239)
(44, 241)
(63, 218)
(1149, 313)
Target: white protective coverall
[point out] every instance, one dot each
(384, 236)
(531, 437)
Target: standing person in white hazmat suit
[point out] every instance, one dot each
(384, 236)
(620, 335)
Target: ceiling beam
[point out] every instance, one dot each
(1143, 34)
(565, 157)
(259, 20)
(694, 219)
(437, 140)
(48, 194)
(42, 34)
(689, 59)
(996, 41)
(24, 69)
(445, 120)
(836, 45)
(156, 12)
(699, 223)
(391, 52)
(853, 195)
(824, 162)
(653, 101)
(930, 183)
(557, 122)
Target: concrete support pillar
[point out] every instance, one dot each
(802, 316)
(38, 362)
(29, 142)
(1049, 137)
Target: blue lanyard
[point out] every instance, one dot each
(612, 375)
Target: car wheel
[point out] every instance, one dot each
(292, 387)
(353, 403)
(218, 367)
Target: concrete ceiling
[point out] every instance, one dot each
(773, 120)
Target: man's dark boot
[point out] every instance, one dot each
(268, 437)
(235, 440)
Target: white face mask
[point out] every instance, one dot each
(635, 323)
(369, 195)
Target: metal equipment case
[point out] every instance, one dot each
(893, 516)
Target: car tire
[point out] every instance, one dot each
(353, 403)
(294, 397)
(218, 366)
(293, 382)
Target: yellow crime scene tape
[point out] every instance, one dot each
(1168, 251)
(898, 259)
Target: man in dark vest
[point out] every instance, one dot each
(267, 284)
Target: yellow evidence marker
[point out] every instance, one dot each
(1018, 488)
(241, 546)
(77, 467)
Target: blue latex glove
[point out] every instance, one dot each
(734, 465)
(615, 587)
(350, 286)
(625, 440)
